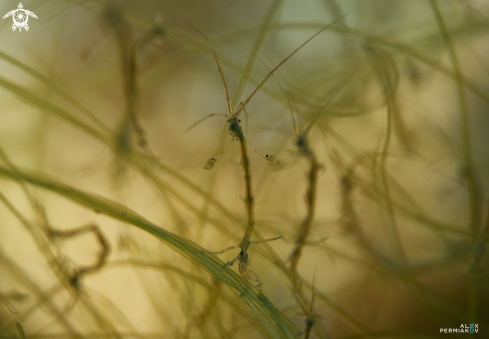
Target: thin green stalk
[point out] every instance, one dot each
(401, 48)
(15, 315)
(45, 80)
(464, 117)
(467, 151)
(265, 26)
(44, 299)
(274, 322)
(386, 82)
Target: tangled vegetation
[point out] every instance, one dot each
(335, 150)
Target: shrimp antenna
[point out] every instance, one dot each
(312, 289)
(230, 110)
(203, 119)
(338, 89)
(287, 58)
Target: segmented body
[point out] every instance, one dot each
(235, 129)
(247, 273)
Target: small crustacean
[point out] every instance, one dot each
(267, 156)
(213, 160)
(245, 270)
(236, 133)
(234, 127)
(304, 150)
(235, 130)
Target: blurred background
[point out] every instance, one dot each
(103, 96)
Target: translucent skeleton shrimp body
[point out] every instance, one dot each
(234, 127)
(245, 270)
(236, 133)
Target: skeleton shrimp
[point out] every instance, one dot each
(245, 270)
(302, 143)
(236, 133)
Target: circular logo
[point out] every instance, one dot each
(20, 17)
